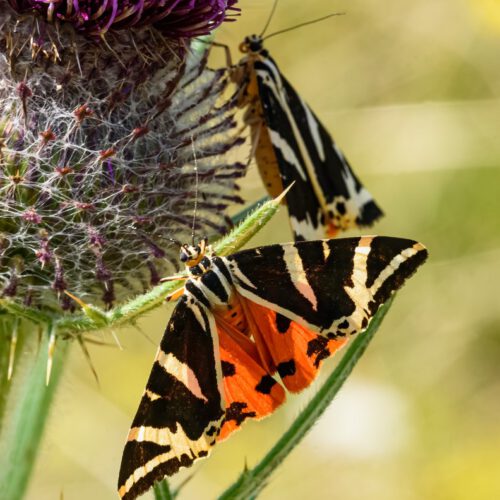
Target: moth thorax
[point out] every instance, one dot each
(202, 267)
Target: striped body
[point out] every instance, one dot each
(248, 327)
(291, 145)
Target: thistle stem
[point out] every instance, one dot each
(24, 423)
(252, 482)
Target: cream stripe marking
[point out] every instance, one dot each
(151, 395)
(276, 139)
(212, 297)
(225, 283)
(392, 267)
(358, 198)
(287, 151)
(314, 129)
(359, 293)
(179, 442)
(195, 306)
(306, 228)
(236, 271)
(300, 142)
(298, 275)
(326, 250)
(180, 371)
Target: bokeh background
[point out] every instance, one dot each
(411, 93)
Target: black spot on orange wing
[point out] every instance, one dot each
(286, 368)
(250, 392)
(282, 323)
(228, 369)
(296, 353)
(318, 348)
(266, 384)
(237, 411)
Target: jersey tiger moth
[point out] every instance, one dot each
(291, 145)
(247, 327)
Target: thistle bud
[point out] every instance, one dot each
(87, 127)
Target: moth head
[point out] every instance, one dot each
(191, 255)
(252, 44)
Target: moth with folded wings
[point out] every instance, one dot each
(291, 145)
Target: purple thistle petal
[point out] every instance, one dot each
(175, 18)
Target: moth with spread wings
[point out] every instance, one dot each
(246, 327)
(291, 145)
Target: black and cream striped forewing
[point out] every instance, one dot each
(327, 195)
(181, 410)
(333, 287)
(209, 377)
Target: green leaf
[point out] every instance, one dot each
(251, 482)
(23, 425)
(162, 491)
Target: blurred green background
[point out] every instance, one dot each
(411, 93)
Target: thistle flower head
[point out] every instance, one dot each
(98, 149)
(175, 18)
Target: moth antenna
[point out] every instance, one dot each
(173, 240)
(313, 21)
(196, 190)
(269, 19)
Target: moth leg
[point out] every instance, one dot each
(175, 295)
(229, 60)
(179, 277)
